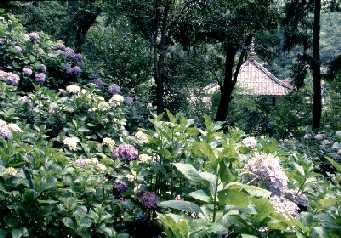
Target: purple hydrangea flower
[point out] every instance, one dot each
(120, 186)
(150, 200)
(12, 79)
(18, 49)
(114, 89)
(42, 68)
(5, 132)
(125, 152)
(34, 36)
(69, 52)
(77, 57)
(27, 71)
(41, 77)
(74, 71)
(129, 100)
(98, 82)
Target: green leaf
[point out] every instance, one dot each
(19, 232)
(85, 222)
(189, 172)
(200, 195)
(3, 233)
(180, 205)
(335, 164)
(234, 197)
(248, 236)
(68, 222)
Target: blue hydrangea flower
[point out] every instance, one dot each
(114, 89)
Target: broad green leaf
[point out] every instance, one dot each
(200, 195)
(233, 196)
(180, 205)
(189, 172)
(248, 236)
(68, 222)
(3, 233)
(19, 232)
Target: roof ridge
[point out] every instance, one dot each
(268, 73)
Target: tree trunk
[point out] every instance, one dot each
(160, 52)
(317, 105)
(227, 88)
(230, 79)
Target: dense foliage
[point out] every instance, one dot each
(83, 154)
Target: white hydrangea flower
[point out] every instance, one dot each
(2, 123)
(103, 105)
(71, 142)
(108, 141)
(145, 158)
(53, 108)
(141, 137)
(101, 167)
(14, 127)
(10, 171)
(73, 88)
(250, 142)
(116, 99)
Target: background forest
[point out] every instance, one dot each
(95, 135)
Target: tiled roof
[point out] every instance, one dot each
(256, 80)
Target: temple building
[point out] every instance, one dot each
(255, 80)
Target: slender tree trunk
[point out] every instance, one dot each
(160, 52)
(230, 79)
(226, 89)
(317, 102)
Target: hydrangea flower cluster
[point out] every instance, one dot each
(141, 137)
(284, 206)
(250, 142)
(71, 142)
(10, 171)
(265, 170)
(7, 129)
(98, 82)
(33, 36)
(27, 71)
(114, 89)
(85, 162)
(70, 53)
(125, 152)
(108, 141)
(116, 100)
(120, 186)
(150, 200)
(18, 49)
(73, 71)
(40, 77)
(73, 89)
(9, 78)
